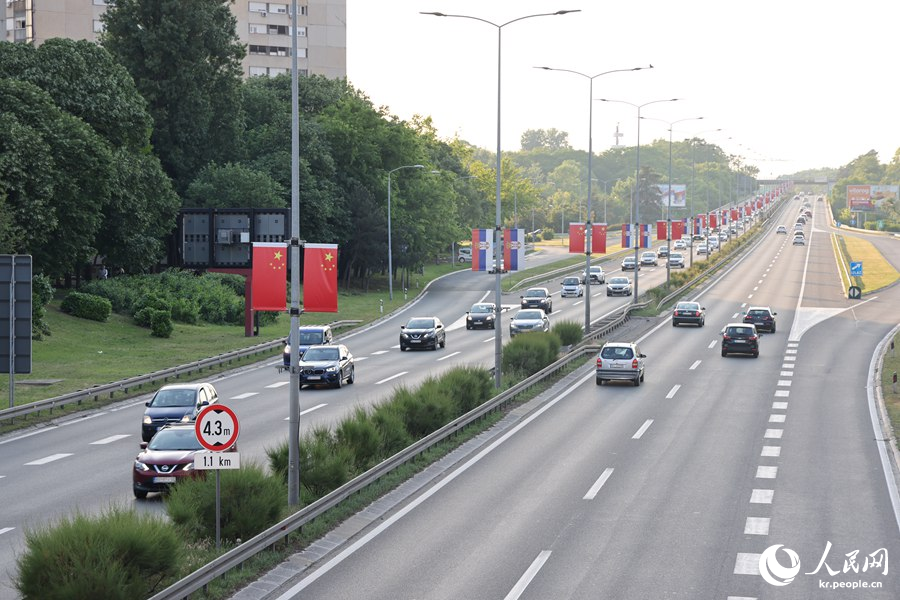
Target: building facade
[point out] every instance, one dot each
(264, 28)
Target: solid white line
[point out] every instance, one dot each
(47, 459)
(6, 530)
(741, 598)
(277, 384)
(642, 430)
(766, 472)
(883, 447)
(400, 374)
(448, 356)
(774, 451)
(530, 574)
(598, 484)
(672, 392)
(712, 344)
(242, 396)
(696, 364)
(756, 526)
(110, 439)
(762, 496)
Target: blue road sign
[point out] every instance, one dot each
(856, 269)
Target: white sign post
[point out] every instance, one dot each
(217, 430)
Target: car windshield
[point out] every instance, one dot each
(570, 281)
(687, 306)
(675, 256)
(618, 280)
(596, 269)
(311, 337)
(482, 308)
(740, 331)
(322, 354)
(648, 255)
(535, 294)
(758, 313)
(420, 324)
(617, 352)
(628, 259)
(529, 315)
(175, 439)
(174, 398)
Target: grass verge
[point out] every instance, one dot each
(878, 273)
(892, 398)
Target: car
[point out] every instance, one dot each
(422, 332)
(799, 240)
(464, 254)
(662, 252)
(481, 315)
(620, 361)
(618, 286)
(649, 259)
(630, 264)
(740, 338)
(676, 260)
(537, 298)
(723, 236)
(697, 239)
(800, 234)
(798, 227)
(702, 249)
(761, 316)
(689, 312)
(527, 320)
(330, 364)
(494, 266)
(166, 459)
(176, 403)
(781, 229)
(801, 221)
(571, 286)
(597, 275)
(713, 243)
(808, 214)
(679, 245)
(307, 335)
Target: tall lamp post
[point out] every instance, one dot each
(588, 221)
(498, 231)
(390, 255)
(637, 184)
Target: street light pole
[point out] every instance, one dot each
(498, 249)
(390, 255)
(588, 230)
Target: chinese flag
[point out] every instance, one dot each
(677, 229)
(320, 278)
(598, 238)
(576, 238)
(712, 220)
(661, 230)
(268, 277)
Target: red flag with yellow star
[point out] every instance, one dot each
(320, 278)
(268, 277)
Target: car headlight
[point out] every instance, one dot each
(430, 334)
(404, 336)
(188, 467)
(139, 466)
(331, 369)
(148, 420)
(489, 318)
(469, 318)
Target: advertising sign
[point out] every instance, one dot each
(870, 198)
(677, 197)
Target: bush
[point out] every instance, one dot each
(185, 311)
(547, 234)
(425, 410)
(325, 465)
(568, 332)
(144, 308)
(528, 353)
(87, 306)
(41, 295)
(360, 435)
(468, 387)
(392, 432)
(117, 555)
(160, 323)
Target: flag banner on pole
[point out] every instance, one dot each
(513, 249)
(598, 238)
(268, 277)
(576, 238)
(735, 215)
(748, 210)
(700, 223)
(677, 229)
(712, 220)
(661, 230)
(646, 240)
(723, 218)
(482, 249)
(320, 278)
(627, 237)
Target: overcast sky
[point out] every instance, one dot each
(793, 84)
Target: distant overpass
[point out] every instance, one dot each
(795, 181)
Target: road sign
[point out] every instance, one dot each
(217, 460)
(855, 293)
(856, 269)
(216, 427)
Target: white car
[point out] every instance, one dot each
(529, 319)
(781, 229)
(597, 275)
(680, 245)
(649, 259)
(798, 241)
(713, 243)
(676, 260)
(702, 249)
(571, 286)
(464, 254)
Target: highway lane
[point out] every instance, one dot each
(673, 489)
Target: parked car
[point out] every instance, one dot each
(538, 298)
(330, 365)
(781, 229)
(529, 319)
(740, 338)
(571, 286)
(464, 254)
(662, 252)
(630, 264)
(166, 459)
(689, 312)
(308, 335)
(799, 240)
(762, 317)
(422, 332)
(620, 361)
(481, 315)
(176, 403)
(676, 260)
(618, 286)
(648, 259)
(597, 275)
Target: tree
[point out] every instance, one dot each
(234, 186)
(551, 139)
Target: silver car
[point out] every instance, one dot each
(529, 319)
(621, 361)
(571, 286)
(676, 260)
(618, 286)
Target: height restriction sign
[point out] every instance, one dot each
(217, 428)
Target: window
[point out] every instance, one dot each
(278, 30)
(258, 28)
(104, 3)
(258, 7)
(98, 26)
(281, 9)
(269, 50)
(301, 32)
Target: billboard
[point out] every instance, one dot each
(677, 197)
(870, 198)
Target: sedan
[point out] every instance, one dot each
(330, 364)
(762, 317)
(176, 403)
(618, 286)
(689, 312)
(480, 315)
(422, 332)
(630, 264)
(649, 259)
(529, 319)
(676, 260)
(662, 252)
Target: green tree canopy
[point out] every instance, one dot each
(234, 186)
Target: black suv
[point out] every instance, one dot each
(538, 298)
(740, 338)
(423, 332)
(762, 317)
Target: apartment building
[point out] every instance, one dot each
(264, 28)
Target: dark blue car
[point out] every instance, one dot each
(177, 403)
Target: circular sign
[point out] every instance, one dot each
(216, 428)
(855, 292)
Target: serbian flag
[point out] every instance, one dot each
(320, 278)
(699, 223)
(627, 236)
(661, 230)
(513, 249)
(576, 238)
(268, 277)
(646, 240)
(712, 220)
(677, 229)
(482, 249)
(598, 238)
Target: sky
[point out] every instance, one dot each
(792, 85)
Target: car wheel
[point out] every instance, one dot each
(674, 324)
(629, 293)
(642, 376)
(724, 353)
(773, 328)
(608, 294)
(637, 382)
(352, 376)
(493, 326)
(340, 380)
(139, 494)
(444, 342)
(702, 322)
(468, 326)
(402, 348)
(756, 355)
(599, 381)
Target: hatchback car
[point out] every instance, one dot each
(762, 317)
(307, 335)
(538, 298)
(713, 243)
(662, 252)
(702, 249)
(618, 286)
(571, 286)
(689, 312)
(620, 361)
(799, 240)
(422, 332)
(630, 264)
(648, 259)
(329, 365)
(676, 260)
(740, 338)
(781, 229)
(176, 403)
(481, 315)
(597, 275)
(529, 319)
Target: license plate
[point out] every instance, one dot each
(163, 480)
(414, 341)
(740, 341)
(314, 377)
(618, 366)
(759, 323)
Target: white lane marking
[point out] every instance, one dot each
(47, 459)
(744, 305)
(530, 574)
(712, 344)
(777, 418)
(789, 359)
(760, 281)
(359, 358)
(490, 339)
(400, 374)
(592, 493)
(735, 315)
(245, 395)
(448, 356)
(774, 451)
(773, 434)
(762, 496)
(791, 351)
(750, 296)
(756, 288)
(578, 302)
(394, 347)
(597, 295)
(6, 530)
(696, 364)
(782, 393)
(277, 384)
(793, 344)
(308, 410)
(756, 526)
(766, 274)
(642, 430)
(377, 352)
(672, 392)
(110, 439)
(784, 383)
(741, 598)
(779, 405)
(746, 563)
(766, 472)
(786, 374)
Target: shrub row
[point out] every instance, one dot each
(87, 306)
(528, 353)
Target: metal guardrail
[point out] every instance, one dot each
(555, 272)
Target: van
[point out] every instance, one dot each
(464, 254)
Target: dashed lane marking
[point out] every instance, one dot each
(773, 434)
(643, 429)
(779, 405)
(277, 384)
(400, 374)
(696, 364)
(592, 493)
(672, 392)
(759, 496)
(756, 526)
(766, 472)
(47, 459)
(110, 439)
(746, 563)
(448, 356)
(773, 451)
(243, 396)
(777, 418)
